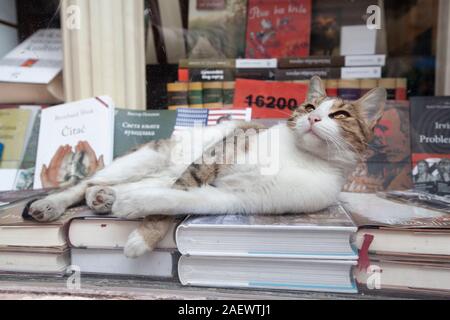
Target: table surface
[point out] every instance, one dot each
(103, 287)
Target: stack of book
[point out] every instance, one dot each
(403, 247)
(27, 246)
(292, 252)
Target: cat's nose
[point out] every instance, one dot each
(313, 119)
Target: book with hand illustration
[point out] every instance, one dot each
(75, 141)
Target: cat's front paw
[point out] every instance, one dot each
(45, 210)
(136, 245)
(100, 199)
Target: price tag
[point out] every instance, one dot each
(269, 99)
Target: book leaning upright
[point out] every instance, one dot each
(292, 252)
(75, 140)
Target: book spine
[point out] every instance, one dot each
(365, 60)
(331, 87)
(311, 62)
(349, 89)
(255, 74)
(228, 94)
(195, 94)
(204, 75)
(306, 74)
(361, 72)
(367, 85)
(177, 95)
(390, 84)
(256, 63)
(401, 89)
(213, 95)
(207, 64)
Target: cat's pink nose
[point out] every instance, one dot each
(313, 119)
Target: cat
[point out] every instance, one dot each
(316, 149)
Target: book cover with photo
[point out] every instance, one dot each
(277, 29)
(430, 141)
(75, 140)
(387, 163)
(216, 28)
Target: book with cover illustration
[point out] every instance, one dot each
(31, 73)
(134, 128)
(14, 132)
(277, 29)
(75, 140)
(320, 235)
(215, 29)
(387, 163)
(430, 143)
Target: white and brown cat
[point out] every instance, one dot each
(316, 150)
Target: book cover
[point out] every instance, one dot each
(14, 124)
(216, 31)
(278, 28)
(387, 163)
(430, 142)
(37, 60)
(75, 140)
(134, 128)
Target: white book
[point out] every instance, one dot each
(74, 139)
(256, 63)
(158, 264)
(37, 60)
(365, 60)
(320, 235)
(358, 39)
(361, 72)
(34, 262)
(96, 232)
(269, 273)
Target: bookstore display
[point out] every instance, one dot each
(203, 65)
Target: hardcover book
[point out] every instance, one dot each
(387, 164)
(75, 140)
(134, 128)
(278, 28)
(430, 142)
(320, 235)
(155, 264)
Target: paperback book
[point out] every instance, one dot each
(430, 142)
(75, 140)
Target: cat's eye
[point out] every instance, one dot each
(340, 115)
(309, 108)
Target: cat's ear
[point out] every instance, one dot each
(372, 105)
(316, 89)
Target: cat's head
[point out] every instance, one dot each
(334, 129)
